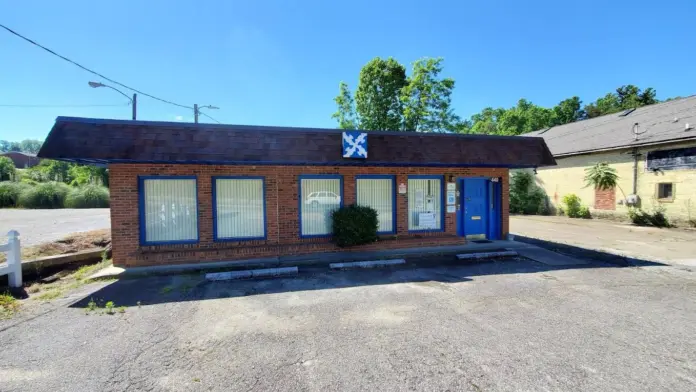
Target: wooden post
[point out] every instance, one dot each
(14, 260)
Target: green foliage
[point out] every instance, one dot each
(601, 176)
(9, 193)
(573, 206)
(377, 98)
(7, 169)
(83, 174)
(525, 196)
(8, 305)
(109, 307)
(354, 225)
(568, 111)
(345, 114)
(31, 146)
(45, 195)
(625, 97)
(88, 196)
(50, 170)
(584, 213)
(388, 100)
(642, 218)
(427, 99)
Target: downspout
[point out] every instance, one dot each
(635, 171)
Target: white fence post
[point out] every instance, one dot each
(14, 260)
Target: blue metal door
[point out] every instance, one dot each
(475, 204)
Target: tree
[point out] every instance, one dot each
(568, 111)
(86, 174)
(7, 169)
(30, 145)
(377, 98)
(6, 146)
(486, 122)
(50, 170)
(625, 97)
(345, 114)
(427, 99)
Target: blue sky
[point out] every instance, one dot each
(280, 62)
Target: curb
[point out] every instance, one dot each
(246, 274)
(486, 255)
(367, 264)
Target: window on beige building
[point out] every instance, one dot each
(665, 191)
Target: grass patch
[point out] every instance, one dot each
(8, 305)
(109, 308)
(50, 294)
(73, 243)
(67, 280)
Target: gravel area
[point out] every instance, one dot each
(504, 326)
(38, 226)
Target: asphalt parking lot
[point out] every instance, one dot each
(503, 326)
(38, 226)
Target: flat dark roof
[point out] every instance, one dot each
(88, 140)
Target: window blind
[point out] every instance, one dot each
(378, 193)
(239, 208)
(170, 210)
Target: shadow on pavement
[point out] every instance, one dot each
(194, 287)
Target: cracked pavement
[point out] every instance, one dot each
(504, 326)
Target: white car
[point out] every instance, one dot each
(322, 198)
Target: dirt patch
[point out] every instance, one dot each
(71, 277)
(73, 243)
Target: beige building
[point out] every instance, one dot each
(653, 149)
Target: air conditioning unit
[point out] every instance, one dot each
(632, 200)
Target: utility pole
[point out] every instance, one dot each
(135, 105)
(197, 110)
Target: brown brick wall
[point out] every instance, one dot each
(281, 212)
(605, 199)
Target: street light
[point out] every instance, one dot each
(133, 101)
(197, 110)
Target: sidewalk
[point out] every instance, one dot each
(669, 246)
(314, 259)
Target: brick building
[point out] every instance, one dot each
(183, 193)
(21, 160)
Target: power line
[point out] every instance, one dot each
(210, 117)
(89, 70)
(61, 106)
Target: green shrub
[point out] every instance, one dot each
(642, 218)
(44, 195)
(88, 196)
(354, 225)
(584, 213)
(7, 169)
(572, 205)
(525, 196)
(9, 193)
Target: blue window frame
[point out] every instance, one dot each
(318, 196)
(379, 192)
(239, 208)
(426, 202)
(168, 210)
